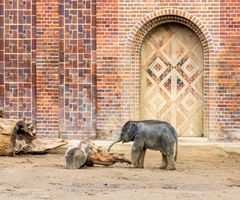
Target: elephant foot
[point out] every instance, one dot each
(137, 166)
(163, 167)
(134, 166)
(171, 167)
(164, 162)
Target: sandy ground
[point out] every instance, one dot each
(202, 173)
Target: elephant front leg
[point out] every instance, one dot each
(136, 154)
(170, 159)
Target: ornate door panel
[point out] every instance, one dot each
(172, 78)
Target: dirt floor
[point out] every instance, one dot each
(202, 173)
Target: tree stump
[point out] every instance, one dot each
(2, 114)
(15, 136)
(85, 153)
(18, 136)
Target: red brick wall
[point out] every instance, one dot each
(221, 118)
(73, 66)
(2, 73)
(109, 72)
(227, 76)
(66, 48)
(48, 65)
(77, 69)
(17, 58)
(47, 58)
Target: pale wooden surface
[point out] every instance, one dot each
(6, 130)
(172, 78)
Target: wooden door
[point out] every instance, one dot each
(172, 78)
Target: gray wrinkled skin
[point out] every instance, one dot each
(150, 134)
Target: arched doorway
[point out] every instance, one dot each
(172, 65)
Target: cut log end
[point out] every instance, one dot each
(75, 158)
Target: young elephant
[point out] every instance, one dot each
(150, 134)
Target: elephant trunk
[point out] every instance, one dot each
(114, 142)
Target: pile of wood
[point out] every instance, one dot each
(86, 153)
(19, 136)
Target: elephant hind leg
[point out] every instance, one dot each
(164, 162)
(170, 159)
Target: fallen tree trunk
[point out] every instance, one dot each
(15, 135)
(41, 146)
(2, 114)
(85, 153)
(18, 136)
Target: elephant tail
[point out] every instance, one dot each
(176, 137)
(176, 150)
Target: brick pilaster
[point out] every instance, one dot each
(47, 67)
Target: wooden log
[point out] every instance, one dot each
(14, 136)
(77, 154)
(41, 146)
(19, 136)
(2, 114)
(85, 153)
(75, 158)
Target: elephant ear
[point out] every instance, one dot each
(126, 126)
(132, 131)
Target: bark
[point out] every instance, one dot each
(85, 153)
(41, 146)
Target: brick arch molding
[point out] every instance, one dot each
(151, 20)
